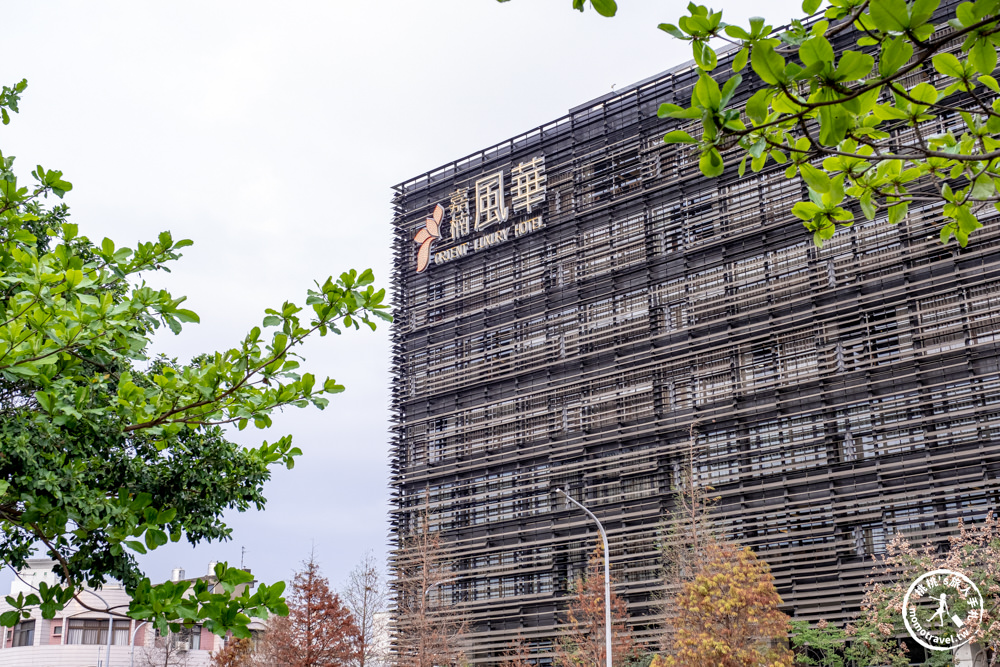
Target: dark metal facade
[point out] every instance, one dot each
(838, 394)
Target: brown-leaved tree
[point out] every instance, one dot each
(517, 653)
(319, 631)
(236, 653)
(584, 646)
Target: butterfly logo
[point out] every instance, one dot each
(428, 234)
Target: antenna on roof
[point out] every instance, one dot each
(243, 553)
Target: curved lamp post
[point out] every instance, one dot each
(438, 583)
(131, 657)
(111, 627)
(607, 577)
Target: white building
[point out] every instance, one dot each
(78, 637)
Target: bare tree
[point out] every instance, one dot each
(688, 534)
(169, 650)
(426, 633)
(517, 653)
(365, 595)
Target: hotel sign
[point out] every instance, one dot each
(482, 218)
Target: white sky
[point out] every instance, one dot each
(271, 134)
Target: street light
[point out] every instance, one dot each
(607, 577)
(111, 627)
(438, 583)
(131, 657)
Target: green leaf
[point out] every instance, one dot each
(671, 29)
(679, 137)
(925, 93)
(711, 163)
(674, 111)
(729, 89)
(890, 14)
(897, 212)
(737, 32)
(806, 210)
(740, 61)
(704, 56)
(834, 123)
(854, 65)
(135, 546)
(966, 13)
(814, 178)
(768, 65)
(867, 207)
(155, 538)
(605, 7)
(707, 92)
(45, 401)
(895, 54)
(949, 65)
(921, 11)
(983, 56)
(809, 7)
(989, 82)
(816, 49)
(757, 105)
(983, 187)
(889, 112)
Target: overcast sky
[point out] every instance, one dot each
(271, 134)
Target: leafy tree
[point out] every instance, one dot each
(728, 614)
(108, 453)
(908, 117)
(899, 121)
(821, 645)
(319, 630)
(366, 596)
(973, 550)
(585, 642)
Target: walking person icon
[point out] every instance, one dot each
(942, 610)
(954, 616)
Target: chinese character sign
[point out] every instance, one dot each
(461, 217)
(490, 206)
(527, 185)
(472, 209)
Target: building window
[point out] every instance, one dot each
(95, 631)
(24, 634)
(187, 639)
